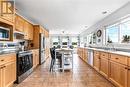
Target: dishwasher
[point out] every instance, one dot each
(90, 57)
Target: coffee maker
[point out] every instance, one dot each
(21, 46)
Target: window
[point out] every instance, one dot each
(119, 32)
(125, 32)
(64, 42)
(112, 34)
(55, 41)
(75, 41)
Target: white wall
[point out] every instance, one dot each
(111, 19)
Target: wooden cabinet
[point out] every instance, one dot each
(7, 70)
(9, 74)
(96, 61)
(118, 74)
(37, 30)
(19, 23)
(119, 58)
(114, 67)
(28, 31)
(7, 17)
(24, 26)
(83, 54)
(104, 64)
(35, 57)
(1, 76)
(128, 77)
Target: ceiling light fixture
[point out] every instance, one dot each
(104, 12)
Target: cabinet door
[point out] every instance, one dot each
(26, 30)
(128, 80)
(19, 23)
(30, 31)
(118, 74)
(104, 66)
(34, 59)
(1, 76)
(5, 8)
(96, 62)
(9, 74)
(37, 57)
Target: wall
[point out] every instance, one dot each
(110, 19)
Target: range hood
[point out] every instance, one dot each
(18, 35)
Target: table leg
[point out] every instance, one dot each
(55, 62)
(63, 62)
(72, 62)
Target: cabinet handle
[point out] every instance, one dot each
(117, 58)
(2, 67)
(2, 60)
(126, 68)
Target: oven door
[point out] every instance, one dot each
(4, 33)
(24, 63)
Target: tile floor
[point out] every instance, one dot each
(82, 76)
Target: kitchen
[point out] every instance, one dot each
(96, 47)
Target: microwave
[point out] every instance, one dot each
(4, 33)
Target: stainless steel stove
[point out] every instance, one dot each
(24, 65)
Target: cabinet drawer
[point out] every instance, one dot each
(7, 58)
(96, 53)
(119, 58)
(104, 55)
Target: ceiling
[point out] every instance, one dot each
(70, 16)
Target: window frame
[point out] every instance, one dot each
(118, 23)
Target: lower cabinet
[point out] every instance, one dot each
(96, 62)
(128, 77)
(7, 70)
(9, 74)
(118, 74)
(104, 66)
(1, 76)
(35, 58)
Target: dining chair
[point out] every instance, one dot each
(53, 60)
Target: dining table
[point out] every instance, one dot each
(63, 51)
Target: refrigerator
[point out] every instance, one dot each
(41, 48)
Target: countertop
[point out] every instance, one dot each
(8, 51)
(110, 51)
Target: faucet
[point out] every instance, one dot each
(111, 46)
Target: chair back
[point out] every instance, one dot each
(52, 51)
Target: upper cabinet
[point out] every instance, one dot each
(19, 23)
(28, 31)
(7, 14)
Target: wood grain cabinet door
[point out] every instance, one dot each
(118, 74)
(37, 57)
(30, 31)
(5, 8)
(19, 23)
(96, 62)
(1, 76)
(104, 66)
(9, 74)
(128, 80)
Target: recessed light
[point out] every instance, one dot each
(104, 12)
(85, 26)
